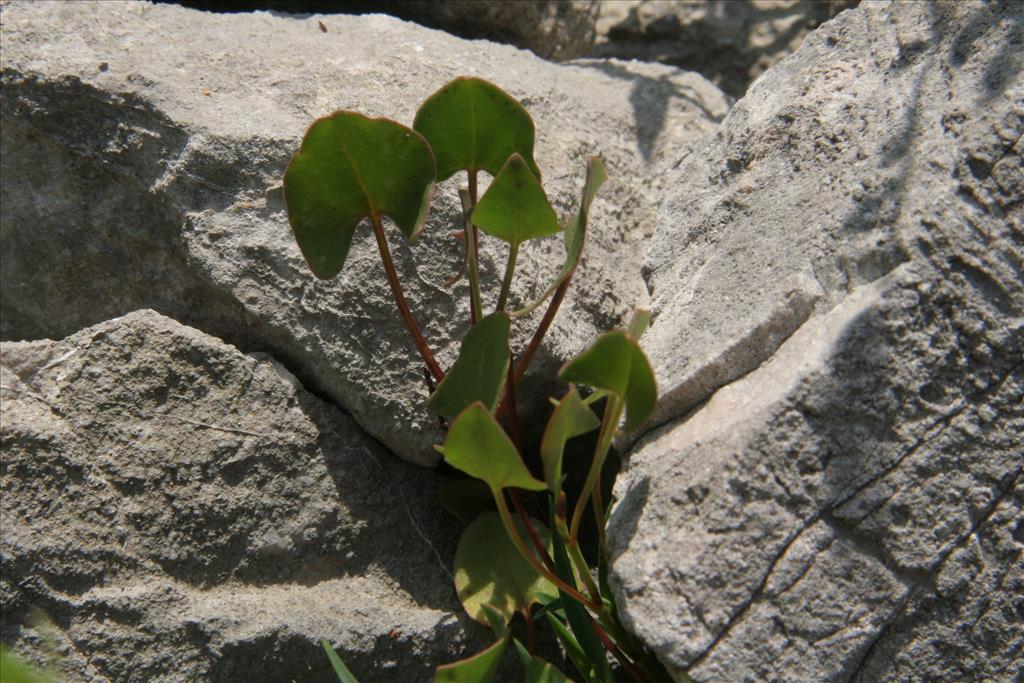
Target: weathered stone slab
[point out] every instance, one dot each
(176, 510)
(836, 492)
(143, 149)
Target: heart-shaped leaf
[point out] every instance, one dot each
(348, 168)
(477, 445)
(480, 668)
(480, 370)
(616, 363)
(515, 208)
(489, 571)
(474, 125)
(570, 418)
(538, 670)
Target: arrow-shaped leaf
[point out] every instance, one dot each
(515, 208)
(570, 418)
(348, 168)
(477, 445)
(491, 574)
(472, 124)
(480, 370)
(616, 363)
(575, 233)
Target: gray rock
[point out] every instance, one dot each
(836, 491)
(143, 149)
(731, 43)
(553, 29)
(175, 510)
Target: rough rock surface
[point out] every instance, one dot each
(143, 148)
(178, 510)
(731, 43)
(843, 261)
(553, 29)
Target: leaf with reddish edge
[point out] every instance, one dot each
(473, 125)
(479, 372)
(616, 363)
(570, 418)
(352, 167)
(477, 445)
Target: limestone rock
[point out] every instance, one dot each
(143, 149)
(553, 29)
(731, 43)
(177, 510)
(836, 492)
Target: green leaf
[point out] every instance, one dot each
(537, 670)
(579, 620)
(515, 208)
(575, 233)
(348, 168)
(342, 672)
(477, 445)
(13, 670)
(466, 498)
(489, 571)
(616, 363)
(572, 647)
(570, 418)
(473, 125)
(480, 668)
(479, 372)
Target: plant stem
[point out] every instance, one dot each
(598, 506)
(531, 631)
(403, 307)
(610, 645)
(517, 503)
(510, 404)
(612, 413)
(506, 283)
(472, 251)
(524, 550)
(583, 570)
(542, 329)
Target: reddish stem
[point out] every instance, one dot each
(517, 503)
(610, 645)
(542, 329)
(403, 307)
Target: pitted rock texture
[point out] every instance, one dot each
(836, 491)
(176, 510)
(553, 29)
(731, 43)
(143, 149)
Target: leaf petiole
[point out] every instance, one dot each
(403, 307)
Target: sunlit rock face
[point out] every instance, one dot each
(831, 490)
(144, 147)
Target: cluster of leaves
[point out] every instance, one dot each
(352, 168)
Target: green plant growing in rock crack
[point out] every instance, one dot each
(352, 168)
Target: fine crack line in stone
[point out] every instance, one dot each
(758, 591)
(857, 669)
(408, 512)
